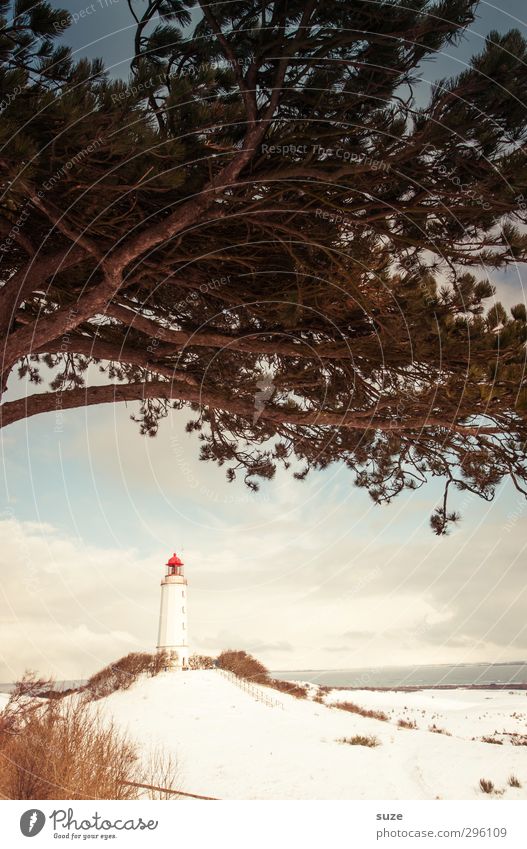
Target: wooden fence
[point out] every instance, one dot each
(248, 687)
(170, 791)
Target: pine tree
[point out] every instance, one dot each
(263, 226)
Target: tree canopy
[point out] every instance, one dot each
(270, 224)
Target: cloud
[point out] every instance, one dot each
(68, 608)
(302, 572)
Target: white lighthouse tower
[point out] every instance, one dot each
(173, 636)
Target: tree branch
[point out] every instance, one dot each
(33, 276)
(207, 339)
(32, 405)
(99, 349)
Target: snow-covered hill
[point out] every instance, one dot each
(231, 746)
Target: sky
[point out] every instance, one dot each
(303, 574)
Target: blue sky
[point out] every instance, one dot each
(305, 574)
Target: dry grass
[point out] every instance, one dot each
(200, 661)
(294, 689)
(246, 666)
(486, 786)
(436, 730)
(161, 771)
(513, 781)
(360, 740)
(121, 674)
(492, 740)
(351, 707)
(406, 723)
(64, 749)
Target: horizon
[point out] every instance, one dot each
(329, 670)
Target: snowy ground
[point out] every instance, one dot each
(466, 714)
(231, 746)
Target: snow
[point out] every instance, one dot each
(464, 713)
(229, 745)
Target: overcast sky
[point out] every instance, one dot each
(304, 574)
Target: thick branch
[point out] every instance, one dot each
(34, 336)
(209, 339)
(101, 350)
(31, 277)
(32, 405)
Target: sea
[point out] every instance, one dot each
(59, 685)
(393, 677)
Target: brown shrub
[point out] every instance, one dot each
(162, 774)
(513, 781)
(124, 672)
(23, 701)
(486, 786)
(360, 740)
(160, 661)
(291, 687)
(406, 723)
(244, 665)
(436, 730)
(492, 740)
(200, 661)
(351, 707)
(64, 749)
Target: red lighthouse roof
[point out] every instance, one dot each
(175, 561)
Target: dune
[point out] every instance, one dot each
(233, 744)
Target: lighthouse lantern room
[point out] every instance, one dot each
(173, 637)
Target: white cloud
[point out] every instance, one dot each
(311, 573)
(303, 595)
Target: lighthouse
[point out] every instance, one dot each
(172, 636)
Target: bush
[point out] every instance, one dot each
(121, 674)
(297, 690)
(243, 665)
(513, 781)
(160, 661)
(360, 740)
(23, 702)
(161, 774)
(60, 750)
(351, 707)
(486, 786)
(64, 749)
(200, 661)
(246, 666)
(492, 740)
(436, 730)
(406, 723)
